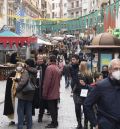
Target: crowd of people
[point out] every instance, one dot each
(95, 95)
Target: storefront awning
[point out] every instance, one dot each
(17, 40)
(11, 38)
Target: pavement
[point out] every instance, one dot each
(66, 114)
(2, 91)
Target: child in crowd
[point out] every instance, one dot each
(97, 77)
(80, 92)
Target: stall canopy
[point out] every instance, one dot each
(11, 38)
(42, 42)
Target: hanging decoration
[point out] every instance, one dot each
(81, 23)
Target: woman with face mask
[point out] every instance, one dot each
(25, 100)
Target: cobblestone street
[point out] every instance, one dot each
(67, 118)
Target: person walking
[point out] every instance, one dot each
(106, 95)
(79, 97)
(84, 71)
(66, 73)
(74, 69)
(51, 90)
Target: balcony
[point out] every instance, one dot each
(31, 5)
(75, 8)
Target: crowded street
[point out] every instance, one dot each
(66, 120)
(59, 64)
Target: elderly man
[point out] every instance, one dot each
(107, 97)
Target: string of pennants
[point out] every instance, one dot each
(71, 24)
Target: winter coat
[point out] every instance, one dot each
(38, 99)
(66, 70)
(74, 69)
(8, 105)
(51, 85)
(21, 84)
(106, 95)
(76, 93)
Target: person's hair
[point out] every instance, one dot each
(75, 56)
(112, 61)
(97, 75)
(20, 64)
(30, 62)
(67, 62)
(84, 68)
(40, 55)
(52, 58)
(104, 66)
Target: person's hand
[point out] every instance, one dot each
(82, 82)
(17, 79)
(96, 127)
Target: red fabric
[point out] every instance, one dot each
(51, 85)
(93, 85)
(17, 40)
(110, 20)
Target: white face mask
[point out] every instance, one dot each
(19, 68)
(116, 75)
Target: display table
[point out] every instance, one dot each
(5, 71)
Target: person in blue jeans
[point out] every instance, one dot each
(24, 109)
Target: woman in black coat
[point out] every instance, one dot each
(8, 104)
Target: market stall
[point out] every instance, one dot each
(11, 43)
(104, 47)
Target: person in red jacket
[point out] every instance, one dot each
(51, 87)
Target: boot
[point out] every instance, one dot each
(39, 118)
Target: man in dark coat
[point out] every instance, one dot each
(41, 67)
(106, 95)
(74, 69)
(51, 89)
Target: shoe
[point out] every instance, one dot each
(39, 120)
(48, 113)
(52, 125)
(11, 123)
(79, 127)
(25, 122)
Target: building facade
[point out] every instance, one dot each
(48, 9)
(65, 6)
(74, 8)
(78, 8)
(56, 9)
(30, 8)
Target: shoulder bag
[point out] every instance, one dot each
(29, 88)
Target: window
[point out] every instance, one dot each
(77, 3)
(45, 4)
(53, 14)
(65, 14)
(72, 14)
(72, 4)
(65, 5)
(77, 14)
(53, 6)
(85, 11)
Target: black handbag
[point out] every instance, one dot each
(29, 87)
